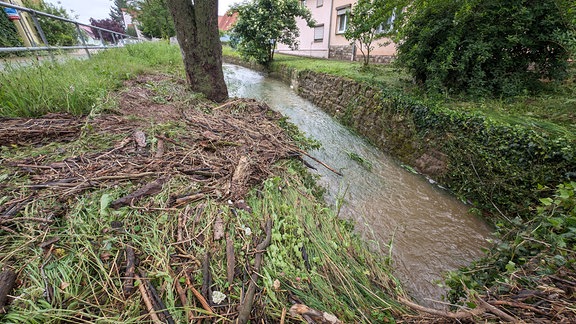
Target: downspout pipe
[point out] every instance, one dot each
(330, 25)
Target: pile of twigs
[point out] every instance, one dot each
(32, 131)
(224, 152)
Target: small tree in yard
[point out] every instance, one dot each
(197, 32)
(264, 23)
(369, 21)
(154, 18)
(116, 11)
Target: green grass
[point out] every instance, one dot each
(84, 267)
(77, 86)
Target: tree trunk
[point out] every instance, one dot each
(197, 32)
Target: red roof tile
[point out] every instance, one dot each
(226, 22)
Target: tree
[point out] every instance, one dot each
(58, 33)
(369, 21)
(116, 11)
(154, 18)
(264, 23)
(109, 24)
(484, 47)
(197, 32)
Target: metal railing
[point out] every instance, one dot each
(118, 39)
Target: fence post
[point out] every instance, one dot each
(82, 39)
(42, 35)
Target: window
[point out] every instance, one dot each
(341, 19)
(319, 3)
(389, 24)
(319, 33)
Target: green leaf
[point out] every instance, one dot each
(511, 266)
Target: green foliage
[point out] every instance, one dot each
(116, 11)
(484, 48)
(154, 18)
(8, 33)
(78, 86)
(369, 21)
(131, 30)
(493, 164)
(58, 33)
(264, 23)
(527, 250)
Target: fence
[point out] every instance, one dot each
(15, 13)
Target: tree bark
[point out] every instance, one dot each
(197, 32)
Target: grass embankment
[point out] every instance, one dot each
(532, 269)
(71, 243)
(78, 86)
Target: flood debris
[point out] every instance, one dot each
(185, 182)
(35, 131)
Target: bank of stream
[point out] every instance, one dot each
(425, 230)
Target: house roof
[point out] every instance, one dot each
(227, 21)
(88, 30)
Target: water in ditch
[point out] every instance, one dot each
(427, 231)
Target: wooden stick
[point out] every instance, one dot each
(7, 282)
(517, 305)
(457, 315)
(158, 303)
(496, 311)
(149, 189)
(198, 295)
(230, 259)
(246, 306)
(283, 317)
(147, 301)
(129, 274)
(321, 163)
(183, 299)
(206, 277)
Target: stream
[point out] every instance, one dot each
(426, 230)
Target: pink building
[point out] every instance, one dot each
(327, 40)
(313, 41)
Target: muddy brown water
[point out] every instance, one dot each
(426, 230)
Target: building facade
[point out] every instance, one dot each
(326, 39)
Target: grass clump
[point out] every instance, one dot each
(77, 86)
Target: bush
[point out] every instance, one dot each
(484, 47)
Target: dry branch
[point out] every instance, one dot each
(198, 295)
(230, 259)
(7, 282)
(129, 275)
(320, 162)
(482, 308)
(149, 189)
(246, 306)
(147, 301)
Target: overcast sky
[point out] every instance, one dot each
(100, 9)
